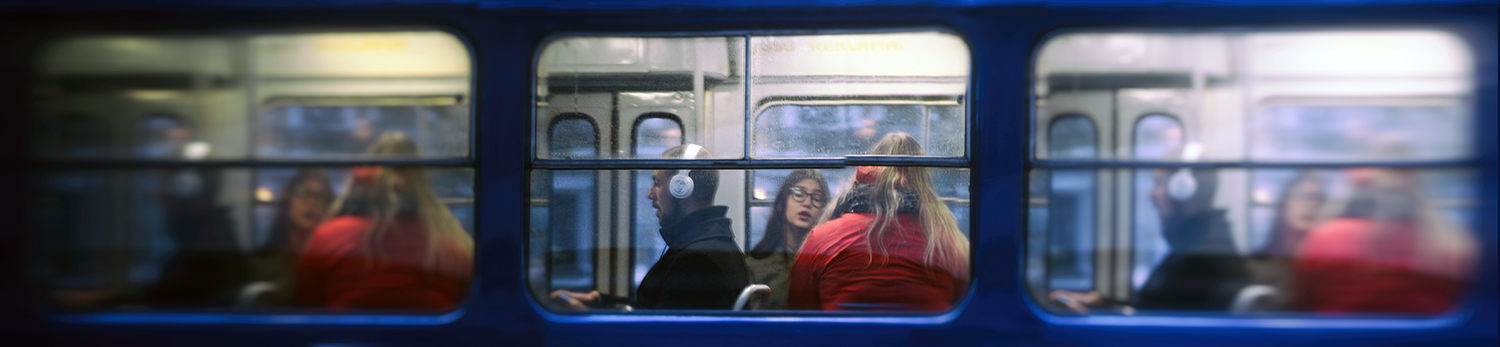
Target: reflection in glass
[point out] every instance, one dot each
(320, 131)
(799, 131)
(1360, 132)
(1274, 95)
(187, 238)
(1318, 241)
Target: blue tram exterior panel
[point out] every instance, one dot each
(503, 36)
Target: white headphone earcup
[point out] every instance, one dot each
(1181, 186)
(681, 186)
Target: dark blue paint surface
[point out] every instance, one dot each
(504, 35)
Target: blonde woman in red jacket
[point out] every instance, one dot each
(889, 244)
(391, 243)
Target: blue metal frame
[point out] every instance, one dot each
(504, 35)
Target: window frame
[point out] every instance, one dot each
(748, 164)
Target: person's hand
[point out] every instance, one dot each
(575, 300)
(1078, 302)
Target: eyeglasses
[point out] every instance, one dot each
(799, 195)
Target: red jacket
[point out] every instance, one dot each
(1340, 269)
(334, 271)
(835, 270)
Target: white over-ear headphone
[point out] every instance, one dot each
(681, 185)
(1181, 185)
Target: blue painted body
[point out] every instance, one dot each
(504, 35)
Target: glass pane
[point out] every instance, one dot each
(1333, 241)
(1272, 95)
(205, 238)
(1361, 132)
(831, 131)
(439, 126)
(834, 95)
(657, 250)
(189, 97)
(626, 83)
(574, 138)
(1073, 137)
(946, 182)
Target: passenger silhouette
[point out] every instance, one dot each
(208, 266)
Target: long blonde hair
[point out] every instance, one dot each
(947, 247)
(449, 249)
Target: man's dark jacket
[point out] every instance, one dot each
(1203, 270)
(703, 267)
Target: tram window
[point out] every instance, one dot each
(810, 97)
(256, 221)
(1210, 217)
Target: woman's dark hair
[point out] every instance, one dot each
(775, 237)
(281, 233)
(1282, 242)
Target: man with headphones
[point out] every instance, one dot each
(1202, 270)
(703, 267)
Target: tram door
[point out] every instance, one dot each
(650, 123)
(578, 126)
(612, 251)
(1150, 127)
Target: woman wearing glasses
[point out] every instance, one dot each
(798, 208)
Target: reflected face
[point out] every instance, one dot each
(307, 204)
(1302, 205)
(804, 204)
(661, 200)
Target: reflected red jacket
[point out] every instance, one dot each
(836, 272)
(1340, 268)
(335, 272)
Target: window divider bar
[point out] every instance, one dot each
(1102, 164)
(747, 106)
(245, 163)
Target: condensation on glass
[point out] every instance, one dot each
(1390, 236)
(801, 97)
(154, 235)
